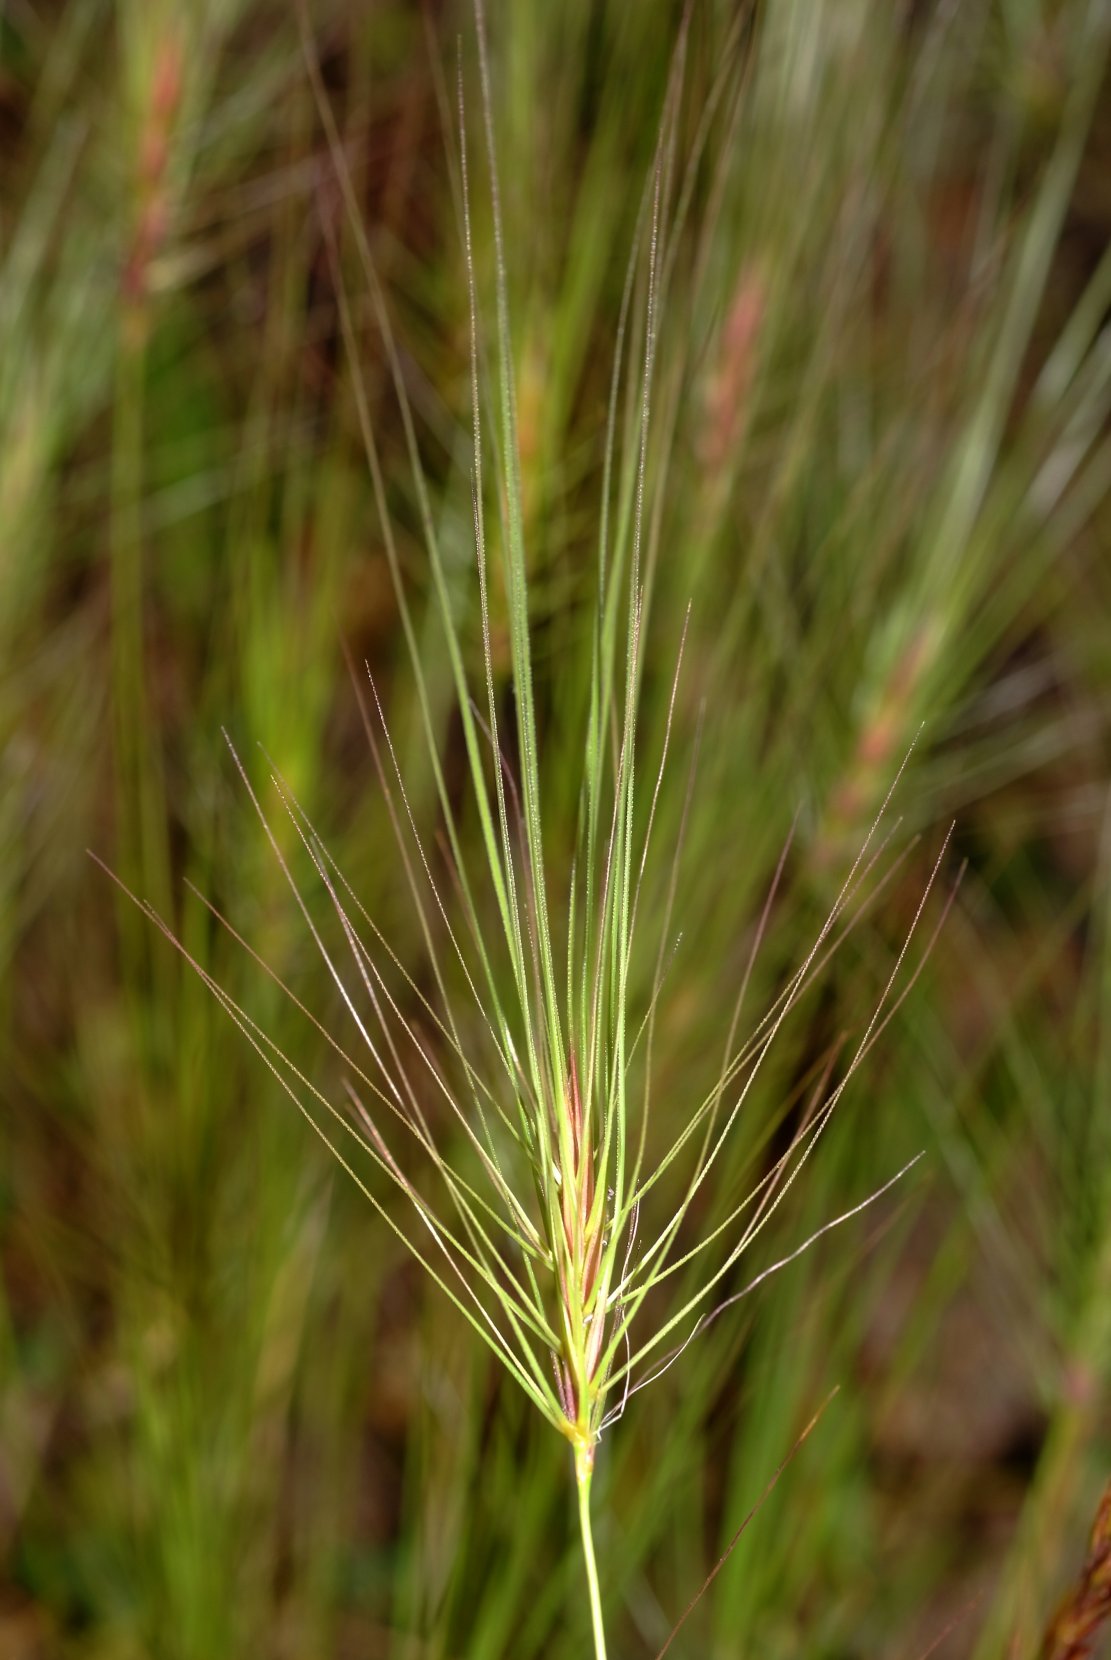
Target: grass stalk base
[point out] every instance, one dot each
(584, 1470)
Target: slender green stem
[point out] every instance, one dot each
(584, 1469)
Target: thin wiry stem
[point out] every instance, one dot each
(584, 1469)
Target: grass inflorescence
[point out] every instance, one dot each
(559, 1220)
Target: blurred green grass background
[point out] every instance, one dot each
(234, 1420)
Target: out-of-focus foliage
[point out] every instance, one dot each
(234, 1421)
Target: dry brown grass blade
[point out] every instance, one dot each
(1086, 1610)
